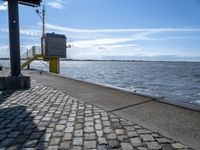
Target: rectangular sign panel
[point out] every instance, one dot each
(34, 3)
(54, 45)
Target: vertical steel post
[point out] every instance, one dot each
(54, 65)
(14, 38)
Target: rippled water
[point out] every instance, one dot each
(179, 81)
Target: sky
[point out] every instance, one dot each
(113, 29)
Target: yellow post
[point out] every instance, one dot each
(54, 65)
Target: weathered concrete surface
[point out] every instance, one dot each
(45, 118)
(177, 123)
(174, 122)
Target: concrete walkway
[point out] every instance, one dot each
(78, 115)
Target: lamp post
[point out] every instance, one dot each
(42, 17)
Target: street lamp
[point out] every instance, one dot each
(41, 14)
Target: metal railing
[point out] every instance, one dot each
(32, 54)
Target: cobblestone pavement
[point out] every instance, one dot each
(45, 118)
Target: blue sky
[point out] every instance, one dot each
(114, 29)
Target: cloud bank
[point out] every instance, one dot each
(3, 6)
(56, 4)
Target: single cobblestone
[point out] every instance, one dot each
(147, 137)
(102, 141)
(179, 146)
(136, 141)
(111, 136)
(89, 144)
(78, 141)
(113, 144)
(126, 146)
(153, 145)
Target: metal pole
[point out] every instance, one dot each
(14, 38)
(43, 19)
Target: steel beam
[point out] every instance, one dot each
(14, 37)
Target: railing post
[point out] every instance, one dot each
(14, 38)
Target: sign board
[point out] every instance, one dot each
(33, 3)
(54, 45)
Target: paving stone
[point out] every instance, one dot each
(143, 131)
(36, 135)
(119, 131)
(163, 140)
(55, 141)
(78, 141)
(122, 137)
(69, 129)
(78, 126)
(102, 141)
(57, 134)
(141, 148)
(89, 129)
(60, 127)
(55, 147)
(132, 134)
(65, 145)
(90, 136)
(30, 144)
(147, 137)
(2, 136)
(89, 144)
(107, 129)
(47, 137)
(102, 147)
(116, 126)
(113, 144)
(67, 136)
(89, 124)
(106, 123)
(153, 145)
(178, 146)
(167, 146)
(7, 142)
(136, 141)
(126, 146)
(99, 133)
(98, 126)
(78, 133)
(130, 128)
(111, 136)
(77, 148)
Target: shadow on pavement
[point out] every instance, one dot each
(17, 129)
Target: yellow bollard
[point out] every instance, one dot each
(54, 65)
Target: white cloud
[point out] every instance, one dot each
(150, 30)
(99, 42)
(3, 6)
(57, 4)
(25, 31)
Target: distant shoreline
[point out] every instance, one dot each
(99, 60)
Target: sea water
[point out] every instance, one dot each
(178, 81)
